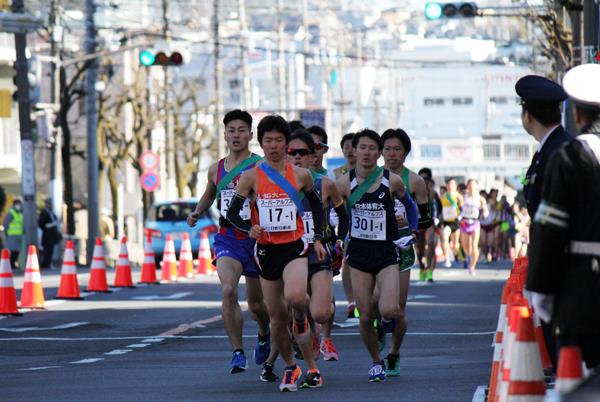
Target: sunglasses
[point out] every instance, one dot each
(321, 145)
(296, 151)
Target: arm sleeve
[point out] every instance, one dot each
(551, 226)
(424, 216)
(344, 220)
(411, 211)
(316, 206)
(233, 214)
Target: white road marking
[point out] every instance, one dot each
(28, 329)
(87, 361)
(421, 297)
(153, 340)
(174, 296)
(39, 368)
(117, 352)
(138, 345)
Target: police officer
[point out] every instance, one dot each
(13, 226)
(541, 116)
(564, 267)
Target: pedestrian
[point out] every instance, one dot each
(13, 228)
(280, 252)
(234, 251)
(51, 236)
(373, 249)
(396, 147)
(564, 265)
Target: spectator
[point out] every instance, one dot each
(51, 236)
(13, 226)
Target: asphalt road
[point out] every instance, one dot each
(167, 343)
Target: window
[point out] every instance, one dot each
(433, 101)
(491, 151)
(499, 100)
(431, 151)
(516, 151)
(462, 101)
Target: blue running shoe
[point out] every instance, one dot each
(238, 363)
(377, 372)
(262, 351)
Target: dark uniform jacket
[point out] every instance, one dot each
(48, 222)
(532, 190)
(565, 247)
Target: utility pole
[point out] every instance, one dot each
(92, 129)
(27, 160)
(246, 96)
(281, 62)
(217, 80)
(168, 98)
(56, 184)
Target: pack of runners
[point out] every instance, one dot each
(289, 226)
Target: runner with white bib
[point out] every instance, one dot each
(474, 206)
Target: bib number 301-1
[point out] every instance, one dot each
(368, 225)
(277, 215)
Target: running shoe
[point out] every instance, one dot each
(429, 275)
(316, 342)
(267, 373)
(472, 271)
(380, 335)
(377, 372)
(328, 350)
(350, 310)
(291, 375)
(301, 331)
(312, 379)
(422, 275)
(392, 364)
(262, 351)
(238, 363)
(388, 326)
(448, 264)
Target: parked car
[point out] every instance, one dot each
(169, 217)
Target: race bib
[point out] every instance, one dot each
(277, 214)
(368, 225)
(309, 227)
(226, 197)
(399, 209)
(449, 213)
(470, 211)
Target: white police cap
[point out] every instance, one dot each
(582, 83)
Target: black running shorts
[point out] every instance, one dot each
(273, 258)
(371, 256)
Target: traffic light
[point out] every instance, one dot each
(464, 9)
(150, 58)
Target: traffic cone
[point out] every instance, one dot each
(515, 311)
(8, 295)
(570, 371)
(32, 295)
(98, 282)
(539, 335)
(149, 265)
(69, 286)
(186, 262)
(526, 382)
(169, 265)
(123, 269)
(204, 255)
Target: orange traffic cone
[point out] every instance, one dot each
(123, 271)
(98, 282)
(539, 335)
(149, 265)
(8, 295)
(186, 261)
(32, 295)
(169, 265)
(515, 310)
(204, 256)
(526, 373)
(69, 286)
(570, 371)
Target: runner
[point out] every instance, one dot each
(451, 204)
(474, 206)
(234, 250)
(319, 135)
(320, 278)
(433, 232)
(396, 147)
(348, 152)
(370, 192)
(280, 250)
(489, 227)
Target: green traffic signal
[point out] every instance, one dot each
(146, 58)
(433, 11)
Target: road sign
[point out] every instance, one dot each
(150, 181)
(312, 117)
(149, 160)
